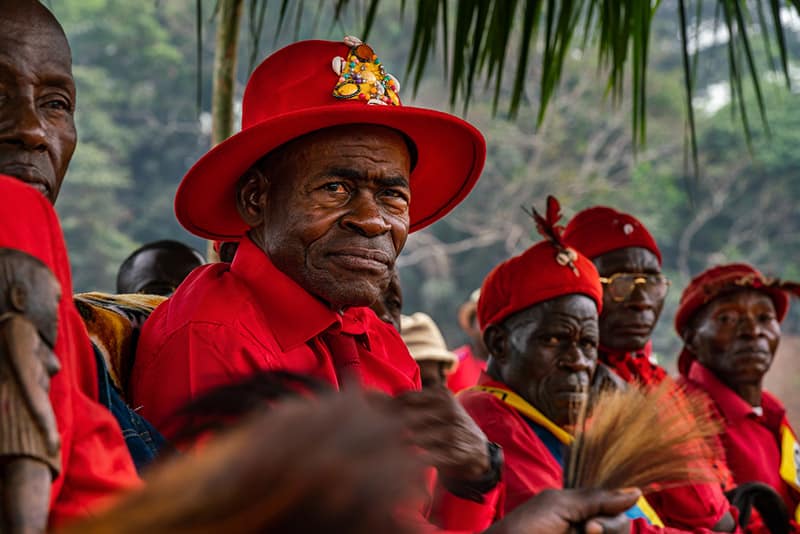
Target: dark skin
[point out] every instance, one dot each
(735, 336)
(547, 354)
(432, 373)
(389, 306)
(331, 210)
(627, 326)
(157, 271)
(37, 97)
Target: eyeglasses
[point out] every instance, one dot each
(621, 285)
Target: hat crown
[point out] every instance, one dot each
(601, 229)
(298, 77)
(533, 277)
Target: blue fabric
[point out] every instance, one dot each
(143, 440)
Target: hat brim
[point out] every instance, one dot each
(450, 158)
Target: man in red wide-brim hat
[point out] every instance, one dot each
(729, 318)
(321, 187)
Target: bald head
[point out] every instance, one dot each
(37, 96)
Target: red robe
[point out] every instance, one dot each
(751, 442)
(530, 467)
(95, 461)
(227, 321)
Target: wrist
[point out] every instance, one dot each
(474, 489)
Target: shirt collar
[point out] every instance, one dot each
(732, 406)
(293, 314)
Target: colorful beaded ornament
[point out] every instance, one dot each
(362, 76)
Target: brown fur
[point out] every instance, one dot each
(331, 465)
(649, 439)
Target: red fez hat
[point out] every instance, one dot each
(713, 282)
(545, 271)
(312, 85)
(595, 231)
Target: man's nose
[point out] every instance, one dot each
(25, 127)
(749, 326)
(365, 217)
(639, 299)
(575, 360)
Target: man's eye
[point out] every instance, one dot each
(589, 344)
(551, 340)
(766, 317)
(335, 187)
(727, 318)
(58, 104)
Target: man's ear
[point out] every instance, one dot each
(496, 339)
(251, 196)
(18, 297)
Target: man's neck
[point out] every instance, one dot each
(751, 392)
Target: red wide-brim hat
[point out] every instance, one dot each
(292, 94)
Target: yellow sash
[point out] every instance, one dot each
(790, 460)
(525, 408)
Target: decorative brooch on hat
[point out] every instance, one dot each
(751, 280)
(549, 228)
(362, 76)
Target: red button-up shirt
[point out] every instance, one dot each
(531, 468)
(227, 321)
(751, 441)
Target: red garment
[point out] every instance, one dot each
(95, 461)
(468, 371)
(530, 468)
(634, 367)
(751, 442)
(598, 230)
(226, 321)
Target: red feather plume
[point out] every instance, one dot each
(548, 226)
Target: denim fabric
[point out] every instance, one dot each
(143, 440)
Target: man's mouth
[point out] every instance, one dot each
(27, 173)
(635, 329)
(359, 258)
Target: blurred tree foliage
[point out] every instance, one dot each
(140, 129)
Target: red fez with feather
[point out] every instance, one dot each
(724, 279)
(547, 270)
(598, 230)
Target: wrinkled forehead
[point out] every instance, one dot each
(627, 260)
(734, 297)
(575, 308)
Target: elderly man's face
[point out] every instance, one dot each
(547, 354)
(335, 213)
(627, 324)
(736, 336)
(37, 97)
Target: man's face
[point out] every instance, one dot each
(37, 98)
(336, 211)
(158, 271)
(432, 373)
(389, 307)
(736, 336)
(627, 325)
(549, 355)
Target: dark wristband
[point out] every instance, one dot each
(474, 490)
